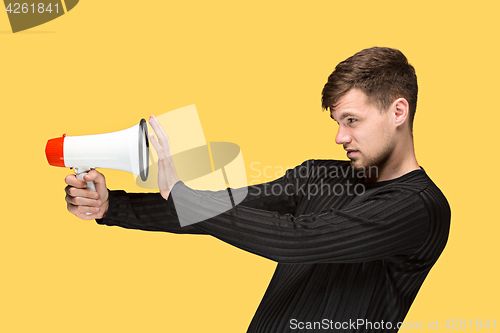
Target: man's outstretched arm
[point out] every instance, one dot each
(151, 212)
(392, 222)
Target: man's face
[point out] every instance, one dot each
(364, 131)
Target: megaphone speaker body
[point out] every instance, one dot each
(126, 150)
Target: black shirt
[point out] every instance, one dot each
(351, 256)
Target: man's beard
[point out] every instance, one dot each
(372, 163)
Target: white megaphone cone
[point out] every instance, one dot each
(126, 150)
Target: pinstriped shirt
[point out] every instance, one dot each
(347, 251)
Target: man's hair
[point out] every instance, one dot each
(382, 73)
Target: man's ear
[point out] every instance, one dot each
(401, 110)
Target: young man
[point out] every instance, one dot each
(354, 240)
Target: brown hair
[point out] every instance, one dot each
(382, 73)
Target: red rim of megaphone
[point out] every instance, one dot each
(55, 152)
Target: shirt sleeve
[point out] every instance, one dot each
(151, 212)
(389, 223)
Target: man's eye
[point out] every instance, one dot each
(351, 120)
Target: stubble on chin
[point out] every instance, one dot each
(360, 165)
(357, 165)
(353, 165)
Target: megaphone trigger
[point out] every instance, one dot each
(81, 172)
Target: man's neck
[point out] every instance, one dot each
(396, 165)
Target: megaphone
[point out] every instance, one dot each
(126, 150)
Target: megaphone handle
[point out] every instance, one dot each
(80, 175)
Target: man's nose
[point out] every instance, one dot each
(342, 136)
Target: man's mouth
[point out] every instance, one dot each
(351, 153)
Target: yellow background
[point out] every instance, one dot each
(255, 71)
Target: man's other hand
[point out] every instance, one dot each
(81, 201)
(167, 174)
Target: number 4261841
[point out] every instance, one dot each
(40, 8)
(455, 324)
